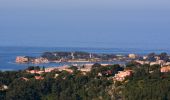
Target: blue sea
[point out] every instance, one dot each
(8, 54)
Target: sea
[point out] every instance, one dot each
(8, 55)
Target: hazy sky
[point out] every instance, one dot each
(85, 23)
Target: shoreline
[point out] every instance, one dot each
(7, 57)
(54, 64)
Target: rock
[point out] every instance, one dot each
(40, 60)
(22, 59)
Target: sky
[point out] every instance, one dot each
(85, 23)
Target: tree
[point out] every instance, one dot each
(74, 68)
(164, 56)
(96, 65)
(151, 57)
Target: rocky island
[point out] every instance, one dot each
(27, 59)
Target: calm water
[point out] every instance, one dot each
(8, 54)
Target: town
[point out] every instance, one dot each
(110, 78)
(127, 81)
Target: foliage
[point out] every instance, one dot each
(146, 83)
(147, 86)
(66, 86)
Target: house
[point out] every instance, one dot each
(145, 57)
(167, 63)
(85, 69)
(49, 69)
(3, 87)
(165, 69)
(56, 75)
(132, 56)
(68, 70)
(35, 71)
(142, 62)
(122, 75)
(100, 74)
(158, 62)
(108, 72)
(39, 77)
(25, 79)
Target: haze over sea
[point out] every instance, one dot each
(8, 54)
(110, 24)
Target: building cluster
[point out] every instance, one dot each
(151, 59)
(162, 59)
(158, 62)
(47, 70)
(82, 68)
(120, 76)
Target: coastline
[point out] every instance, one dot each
(7, 56)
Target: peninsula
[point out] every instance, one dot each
(77, 56)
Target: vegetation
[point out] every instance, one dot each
(66, 86)
(147, 83)
(77, 55)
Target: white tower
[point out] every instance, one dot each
(90, 55)
(72, 55)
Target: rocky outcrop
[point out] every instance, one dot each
(40, 60)
(22, 59)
